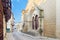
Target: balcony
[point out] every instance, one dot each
(6, 10)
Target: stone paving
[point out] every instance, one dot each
(23, 36)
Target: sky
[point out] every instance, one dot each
(17, 7)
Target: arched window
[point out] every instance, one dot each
(36, 22)
(33, 23)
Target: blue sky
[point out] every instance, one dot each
(17, 7)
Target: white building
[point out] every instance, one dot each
(10, 23)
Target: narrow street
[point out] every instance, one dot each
(29, 19)
(22, 36)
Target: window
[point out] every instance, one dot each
(36, 22)
(7, 6)
(33, 23)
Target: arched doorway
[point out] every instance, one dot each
(33, 23)
(36, 22)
